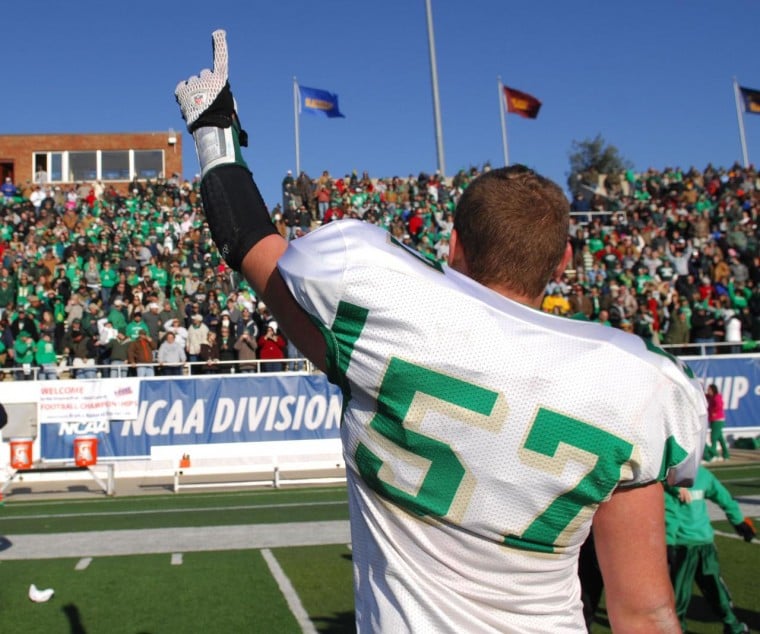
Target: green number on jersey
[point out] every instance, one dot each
(545, 448)
(605, 454)
(401, 384)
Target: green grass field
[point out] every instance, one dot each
(239, 590)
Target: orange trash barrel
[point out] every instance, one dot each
(85, 451)
(21, 453)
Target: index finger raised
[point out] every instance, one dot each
(219, 44)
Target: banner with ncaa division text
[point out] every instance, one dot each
(207, 411)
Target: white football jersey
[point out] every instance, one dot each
(480, 435)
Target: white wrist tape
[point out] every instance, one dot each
(217, 146)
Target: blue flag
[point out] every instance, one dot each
(316, 101)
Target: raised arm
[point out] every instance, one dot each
(237, 215)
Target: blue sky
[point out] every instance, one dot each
(654, 78)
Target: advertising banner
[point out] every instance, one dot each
(738, 381)
(206, 411)
(114, 399)
(252, 409)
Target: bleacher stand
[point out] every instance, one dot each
(670, 255)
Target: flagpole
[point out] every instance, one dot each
(434, 80)
(296, 101)
(740, 118)
(502, 107)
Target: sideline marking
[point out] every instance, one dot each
(176, 559)
(288, 591)
(83, 563)
(214, 509)
(173, 496)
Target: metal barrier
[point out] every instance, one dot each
(706, 348)
(300, 364)
(276, 481)
(189, 368)
(109, 486)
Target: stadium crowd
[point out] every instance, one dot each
(94, 282)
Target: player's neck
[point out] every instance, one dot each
(458, 262)
(533, 302)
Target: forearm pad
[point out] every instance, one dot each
(235, 210)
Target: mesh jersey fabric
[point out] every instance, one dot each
(479, 434)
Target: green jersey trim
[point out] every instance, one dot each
(349, 322)
(672, 455)
(680, 364)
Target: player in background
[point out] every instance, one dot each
(716, 418)
(691, 546)
(479, 450)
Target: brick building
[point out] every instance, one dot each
(74, 158)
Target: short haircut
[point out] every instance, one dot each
(512, 224)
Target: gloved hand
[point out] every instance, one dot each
(236, 212)
(206, 100)
(746, 529)
(209, 109)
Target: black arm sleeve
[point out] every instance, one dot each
(235, 210)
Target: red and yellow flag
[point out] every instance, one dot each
(521, 103)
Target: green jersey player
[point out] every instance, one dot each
(482, 437)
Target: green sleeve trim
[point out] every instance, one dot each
(341, 339)
(672, 455)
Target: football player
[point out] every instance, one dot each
(482, 437)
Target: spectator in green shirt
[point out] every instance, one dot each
(46, 358)
(137, 325)
(23, 354)
(7, 293)
(116, 315)
(691, 546)
(108, 278)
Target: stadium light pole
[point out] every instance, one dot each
(434, 81)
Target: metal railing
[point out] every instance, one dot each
(706, 348)
(263, 366)
(586, 216)
(189, 368)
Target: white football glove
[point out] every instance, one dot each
(209, 109)
(199, 94)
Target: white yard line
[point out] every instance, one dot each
(173, 540)
(749, 505)
(289, 592)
